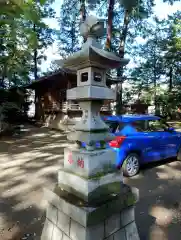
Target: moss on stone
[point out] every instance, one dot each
(105, 191)
(98, 175)
(131, 200)
(98, 211)
(101, 194)
(107, 169)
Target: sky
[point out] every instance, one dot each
(162, 10)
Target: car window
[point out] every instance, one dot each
(115, 127)
(140, 126)
(112, 126)
(120, 126)
(157, 125)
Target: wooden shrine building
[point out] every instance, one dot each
(51, 105)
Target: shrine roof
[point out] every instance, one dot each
(55, 76)
(50, 77)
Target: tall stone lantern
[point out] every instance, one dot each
(90, 201)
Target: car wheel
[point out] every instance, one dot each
(131, 165)
(179, 155)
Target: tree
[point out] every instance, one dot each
(110, 24)
(135, 14)
(171, 48)
(12, 56)
(159, 63)
(40, 35)
(151, 67)
(20, 40)
(69, 40)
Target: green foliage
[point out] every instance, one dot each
(23, 33)
(25, 36)
(171, 1)
(10, 112)
(172, 45)
(9, 109)
(159, 63)
(69, 39)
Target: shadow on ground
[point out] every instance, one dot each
(27, 164)
(30, 162)
(158, 212)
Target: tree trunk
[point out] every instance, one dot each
(35, 71)
(110, 24)
(156, 103)
(155, 90)
(171, 79)
(35, 55)
(37, 105)
(35, 64)
(83, 13)
(72, 34)
(2, 85)
(123, 36)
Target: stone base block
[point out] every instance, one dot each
(90, 190)
(78, 232)
(59, 226)
(89, 164)
(68, 221)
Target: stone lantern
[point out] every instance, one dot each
(90, 200)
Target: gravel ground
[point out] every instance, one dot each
(30, 162)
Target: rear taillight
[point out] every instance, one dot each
(116, 143)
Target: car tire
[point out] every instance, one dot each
(179, 155)
(131, 165)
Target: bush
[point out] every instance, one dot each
(10, 114)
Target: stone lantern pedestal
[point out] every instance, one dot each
(90, 201)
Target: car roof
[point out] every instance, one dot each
(130, 118)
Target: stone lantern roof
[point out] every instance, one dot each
(92, 54)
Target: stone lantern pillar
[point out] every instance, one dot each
(90, 201)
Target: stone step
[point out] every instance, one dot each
(90, 190)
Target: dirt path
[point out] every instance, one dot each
(31, 162)
(158, 212)
(27, 164)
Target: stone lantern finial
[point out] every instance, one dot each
(92, 26)
(92, 54)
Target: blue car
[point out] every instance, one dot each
(142, 139)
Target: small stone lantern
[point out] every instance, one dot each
(90, 200)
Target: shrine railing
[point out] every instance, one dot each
(75, 107)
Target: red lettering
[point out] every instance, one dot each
(80, 162)
(70, 160)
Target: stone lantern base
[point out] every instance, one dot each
(68, 218)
